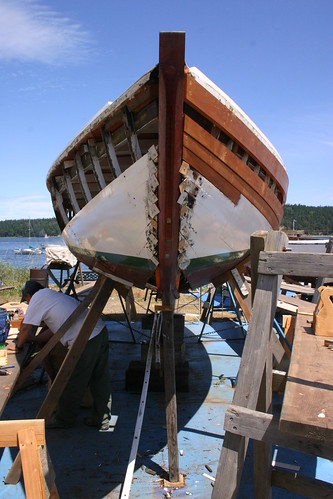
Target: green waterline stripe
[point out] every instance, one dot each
(146, 264)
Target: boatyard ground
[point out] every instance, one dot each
(89, 464)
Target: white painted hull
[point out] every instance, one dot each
(114, 225)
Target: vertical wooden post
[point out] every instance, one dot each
(170, 394)
(170, 140)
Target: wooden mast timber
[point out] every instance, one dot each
(171, 102)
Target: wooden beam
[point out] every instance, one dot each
(70, 190)
(171, 101)
(311, 264)
(82, 178)
(111, 153)
(265, 427)
(132, 139)
(10, 429)
(302, 485)
(31, 464)
(96, 164)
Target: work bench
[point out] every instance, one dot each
(307, 408)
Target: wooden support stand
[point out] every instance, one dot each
(250, 416)
(29, 435)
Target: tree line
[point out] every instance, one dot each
(38, 227)
(314, 220)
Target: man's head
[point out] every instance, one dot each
(29, 289)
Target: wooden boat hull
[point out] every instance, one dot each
(123, 212)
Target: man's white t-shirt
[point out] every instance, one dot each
(53, 308)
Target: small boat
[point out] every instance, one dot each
(28, 251)
(166, 184)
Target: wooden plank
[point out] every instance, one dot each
(204, 102)
(296, 288)
(265, 427)
(302, 485)
(302, 307)
(257, 244)
(10, 429)
(308, 403)
(290, 263)
(31, 464)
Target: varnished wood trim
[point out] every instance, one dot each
(211, 175)
(218, 172)
(205, 103)
(237, 168)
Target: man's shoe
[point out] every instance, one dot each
(54, 423)
(104, 427)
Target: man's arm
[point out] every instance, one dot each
(25, 336)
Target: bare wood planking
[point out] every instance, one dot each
(265, 427)
(204, 102)
(225, 173)
(311, 264)
(308, 403)
(9, 430)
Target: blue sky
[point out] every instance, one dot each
(62, 60)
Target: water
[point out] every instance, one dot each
(9, 244)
